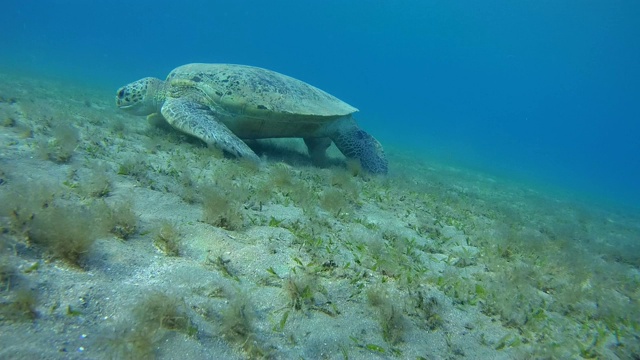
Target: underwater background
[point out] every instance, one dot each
(545, 92)
(508, 226)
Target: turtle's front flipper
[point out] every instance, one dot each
(201, 122)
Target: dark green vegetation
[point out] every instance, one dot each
(150, 319)
(19, 305)
(237, 326)
(391, 320)
(61, 143)
(305, 291)
(222, 206)
(134, 166)
(122, 220)
(96, 182)
(161, 311)
(38, 216)
(17, 299)
(65, 231)
(167, 238)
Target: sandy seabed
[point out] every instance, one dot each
(124, 239)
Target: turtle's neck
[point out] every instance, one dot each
(160, 94)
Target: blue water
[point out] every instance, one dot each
(545, 91)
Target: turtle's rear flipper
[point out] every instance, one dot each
(201, 122)
(356, 143)
(318, 150)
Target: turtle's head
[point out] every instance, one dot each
(142, 97)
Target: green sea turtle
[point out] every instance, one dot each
(224, 103)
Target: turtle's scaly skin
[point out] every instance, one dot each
(223, 103)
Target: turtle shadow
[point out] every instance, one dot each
(290, 151)
(282, 150)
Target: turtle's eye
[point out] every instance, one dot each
(121, 93)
